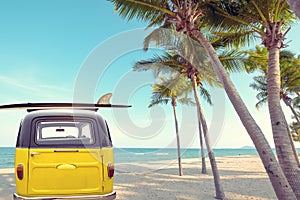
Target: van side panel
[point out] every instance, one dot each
(108, 158)
(21, 157)
(65, 172)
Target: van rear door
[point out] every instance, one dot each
(64, 160)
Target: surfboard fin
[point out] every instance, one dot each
(105, 99)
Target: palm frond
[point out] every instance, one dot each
(231, 38)
(254, 14)
(146, 10)
(261, 102)
(296, 104)
(256, 60)
(232, 60)
(232, 15)
(205, 94)
(168, 88)
(260, 85)
(187, 101)
(155, 102)
(158, 64)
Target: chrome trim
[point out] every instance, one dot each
(34, 153)
(66, 150)
(109, 196)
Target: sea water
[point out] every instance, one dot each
(7, 155)
(125, 155)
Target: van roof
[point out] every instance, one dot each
(61, 112)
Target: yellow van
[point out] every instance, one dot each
(64, 154)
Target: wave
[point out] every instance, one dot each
(139, 153)
(162, 154)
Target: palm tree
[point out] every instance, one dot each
(188, 17)
(174, 90)
(268, 20)
(232, 60)
(170, 63)
(290, 80)
(183, 67)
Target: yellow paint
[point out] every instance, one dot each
(67, 172)
(21, 157)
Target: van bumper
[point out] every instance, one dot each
(109, 196)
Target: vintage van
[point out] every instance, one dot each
(64, 154)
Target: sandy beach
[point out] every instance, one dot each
(243, 177)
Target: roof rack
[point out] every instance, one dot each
(103, 102)
(47, 106)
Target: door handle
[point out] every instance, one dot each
(66, 166)
(34, 153)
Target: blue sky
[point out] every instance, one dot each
(58, 51)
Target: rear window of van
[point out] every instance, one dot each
(65, 132)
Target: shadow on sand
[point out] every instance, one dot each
(7, 185)
(140, 181)
(162, 183)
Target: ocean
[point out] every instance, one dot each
(125, 155)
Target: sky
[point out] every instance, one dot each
(77, 50)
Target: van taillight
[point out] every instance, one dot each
(20, 171)
(110, 170)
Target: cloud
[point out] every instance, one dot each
(18, 84)
(31, 89)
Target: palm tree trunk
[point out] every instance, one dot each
(177, 139)
(288, 103)
(278, 180)
(219, 189)
(280, 129)
(202, 148)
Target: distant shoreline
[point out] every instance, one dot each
(128, 155)
(131, 155)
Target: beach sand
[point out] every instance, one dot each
(243, 177)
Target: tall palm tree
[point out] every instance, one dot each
(174, 91)
(170, 63)
(290, 80)
(269, 21)
(234, 61)
(183, 67)
(188, 17)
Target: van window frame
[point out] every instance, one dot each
(94, 128)
(108, 136)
